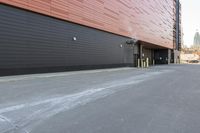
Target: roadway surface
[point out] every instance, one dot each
(161, 99)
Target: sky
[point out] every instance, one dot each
(190, 19)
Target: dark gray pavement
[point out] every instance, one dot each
(161, 99)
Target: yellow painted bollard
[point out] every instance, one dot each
(145, 64)
(138, 63)
(153, 62)
(147, 60)
(142, 63)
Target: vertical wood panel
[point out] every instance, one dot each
(147, 20)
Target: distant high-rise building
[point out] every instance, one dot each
(197, 39)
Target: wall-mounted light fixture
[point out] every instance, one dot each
(120, 45)
(131, 41)
(74, 38)
(142, 54)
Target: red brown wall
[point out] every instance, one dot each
(146, 20)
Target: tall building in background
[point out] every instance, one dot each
(178, 32)
(58, 35)
(196, 39)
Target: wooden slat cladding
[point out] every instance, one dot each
(147, 20)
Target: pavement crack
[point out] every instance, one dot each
(6, 126)
(28, 115)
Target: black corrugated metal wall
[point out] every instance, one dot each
(30, 42)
